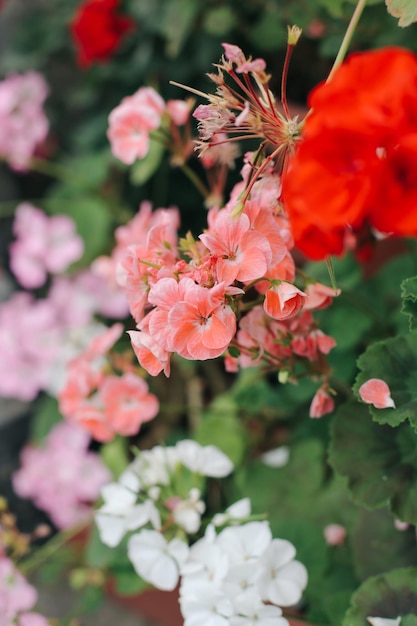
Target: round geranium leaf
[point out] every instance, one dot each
(393, 361)
(380, 463)
(389, 596)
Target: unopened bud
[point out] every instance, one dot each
(294, 34)
(283, 376)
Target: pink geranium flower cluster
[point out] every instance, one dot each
(43, 245)
(24, 125)
(96, 397)
(132, 121)
(39, 336)
(230, 292)
(68, 492)
(17, 598)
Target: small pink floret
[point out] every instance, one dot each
(334, 534)
(376, 391)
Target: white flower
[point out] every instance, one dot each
(154, 466)
(119, 501)
(383, 621)
(240, 578)
(187, 513)
(207, 460)
(156, 560)
(278, 457)
(141, 514)
(237, 511)
(205, 605)
(253, 612)
(206, 561)
(282, 579)
(245, 543)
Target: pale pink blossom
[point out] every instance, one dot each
(179, 111)
(152, 357)
(376, 391)
(101, 402)
(16, 594)
(128, 403)
(242, 254)
(131, 122)
(43, 245)
(283, 300)
(334, 534)
(321, 404)
(68, 492)
(202, 324)
(311, 344)
(24, 126)
(30, 336)
(319, 296)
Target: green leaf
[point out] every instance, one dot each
(406, 10)
(219, 21)
(127, 582)
(96, 553)
(292, 493)
(380, 463)
(45, 417)
(409, 296)
(115, 455)
(143, 169)
(377, 546)
(395, 362)
(268, 33)
(176, 23)
(222, 428)
(409, 620)
(388, 595)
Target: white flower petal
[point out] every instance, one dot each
(277, 457)
(111, 528)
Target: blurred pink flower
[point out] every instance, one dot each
(43, 245)
(321, 404)
(24, 125)
(131, 122)
(67, 493)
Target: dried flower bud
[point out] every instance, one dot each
(294, 34)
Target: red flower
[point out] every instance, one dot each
(355, 168)
(97, 30)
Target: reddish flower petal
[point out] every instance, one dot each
(376, 391)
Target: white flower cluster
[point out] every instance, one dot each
(162, 487)
(239, 576)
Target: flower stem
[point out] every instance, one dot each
(55, 170)
(347, 38)
(48, 550)
(198, 184)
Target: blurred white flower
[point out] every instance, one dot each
(204, 460)
(235, 512)
(187, 513)
(278, 457)
(119, 502)
(155, 559)
(383, 621)
(282, 579)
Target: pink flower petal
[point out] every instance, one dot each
(376, 391)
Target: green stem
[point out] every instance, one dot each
(347, 38)
(198, 184)
(332, 275)
(48, 550)
(55, 170)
